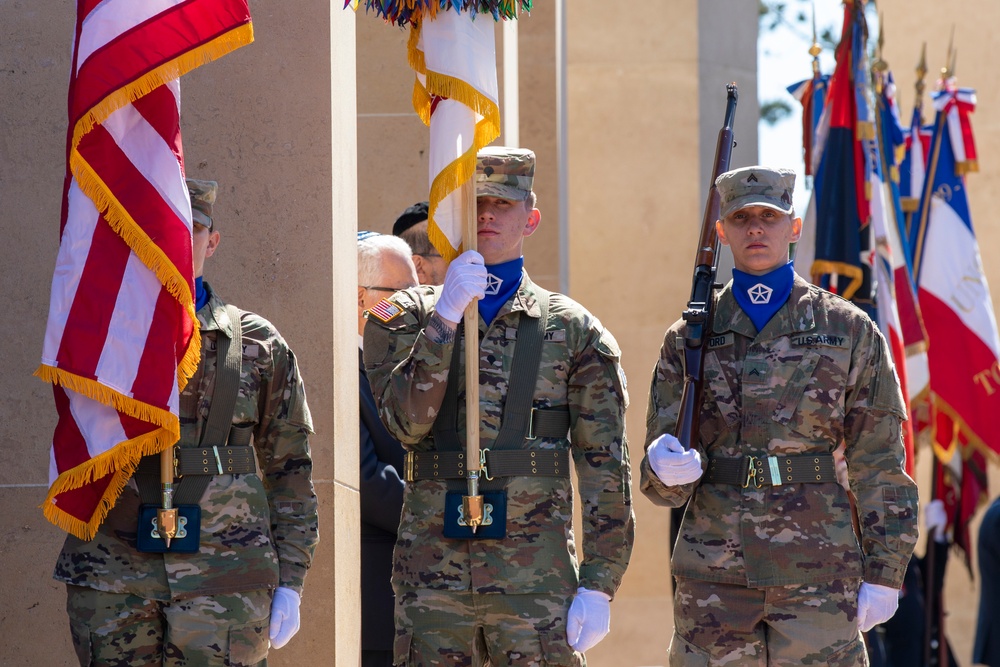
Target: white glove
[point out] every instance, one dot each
(464, 281)
(589, 619)
(672, 463)
(936, 520)
(284, 616)
(876, 604)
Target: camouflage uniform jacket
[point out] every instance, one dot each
(579, 370)
(818, 374)
(257, 530)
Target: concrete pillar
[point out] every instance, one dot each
(274, 123)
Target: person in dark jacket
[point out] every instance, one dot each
(987, 646)
(384, 266)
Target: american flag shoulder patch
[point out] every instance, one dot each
(385, 311)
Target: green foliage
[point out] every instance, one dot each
(774, 111)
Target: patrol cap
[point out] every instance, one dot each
(411, 216)
(755, 186)
(503, 171)
(202, 199)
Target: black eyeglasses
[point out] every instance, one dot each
(385, 289)
(427, 254)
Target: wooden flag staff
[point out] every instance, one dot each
(472, 504)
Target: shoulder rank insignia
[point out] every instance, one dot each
(385, 311)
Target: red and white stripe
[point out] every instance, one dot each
(122, 337)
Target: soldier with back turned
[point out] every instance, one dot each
(229, 588)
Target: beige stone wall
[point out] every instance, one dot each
(263, 122)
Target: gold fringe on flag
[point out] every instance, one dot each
(821, 267)
(119, 460)
(461, 170)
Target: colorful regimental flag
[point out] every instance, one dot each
(122, 336)
(452, 51)
(844, 241)
(454, 57)
(964, 349)
(894, 289)
(912, 172)
(907, 151)
(811, 93)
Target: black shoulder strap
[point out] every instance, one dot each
(220, 412)
(220, 415)
(227, 383)
(520, 385)
(523, 378)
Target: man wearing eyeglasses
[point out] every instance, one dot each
(384, 266)
(411, 226)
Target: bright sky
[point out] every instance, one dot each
(783, 59)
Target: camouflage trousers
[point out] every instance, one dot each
(464, 629)
(112, 630)
(778, 626)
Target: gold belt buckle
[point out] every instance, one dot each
(408, 466)
(751, 472)
(482, 464)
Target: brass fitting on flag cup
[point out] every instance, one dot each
(166, 517)
(472, 504)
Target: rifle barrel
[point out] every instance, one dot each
(698, 315)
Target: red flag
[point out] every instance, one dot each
(964, 348)
(122, 336)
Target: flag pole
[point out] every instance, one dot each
(166, 516)
(472, 504)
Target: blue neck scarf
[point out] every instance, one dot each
(760, 297)
(200, 294)
(502, 281)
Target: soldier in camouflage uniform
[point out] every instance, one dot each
(768, 568)
(220, 605)
(520, 598)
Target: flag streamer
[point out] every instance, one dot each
(403, 12)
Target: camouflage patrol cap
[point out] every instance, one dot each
(755, 186)
(202, 199)
(506, 172)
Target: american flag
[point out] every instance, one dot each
(122, 335)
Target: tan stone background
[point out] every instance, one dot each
(275, 124)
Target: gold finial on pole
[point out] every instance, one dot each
(948, 70)
(918, 103)
(880, 65)
(815, 49)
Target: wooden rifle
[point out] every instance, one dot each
(698, 315)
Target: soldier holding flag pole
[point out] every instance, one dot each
(485, 564)
(551, 389)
